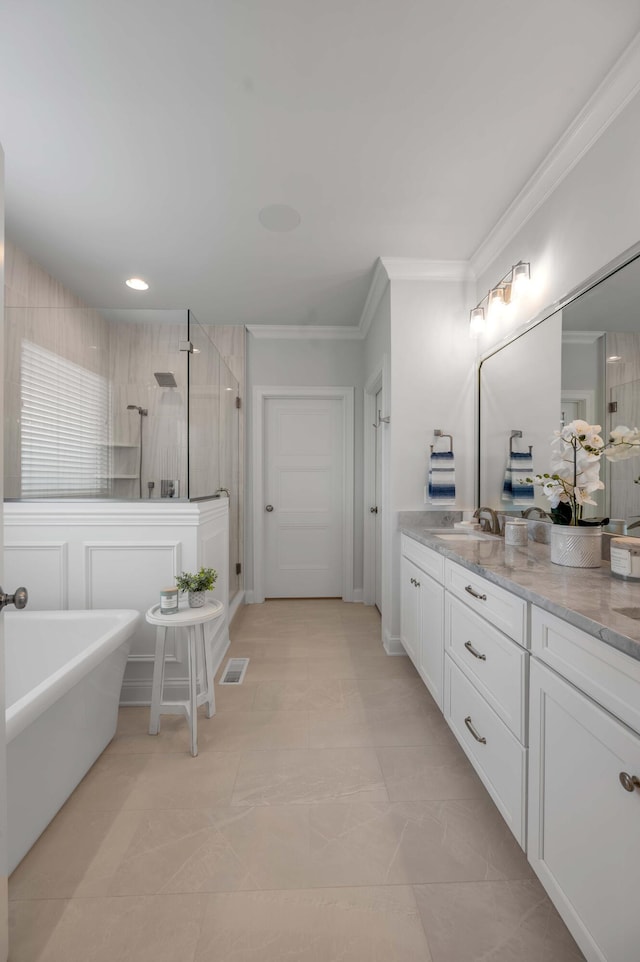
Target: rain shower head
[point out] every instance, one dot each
(135, 407)
(165, 379)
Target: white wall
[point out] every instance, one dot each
(377, 344)
(592, 217)
(315, 363)
(4, 938)
(432, 386)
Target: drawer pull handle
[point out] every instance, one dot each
(469, 724)
(629, 782)
(475, 594)
(476, 654)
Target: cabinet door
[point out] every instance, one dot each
(410, 607)
(584, 826)
(431, 636)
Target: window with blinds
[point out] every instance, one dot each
(64, 427)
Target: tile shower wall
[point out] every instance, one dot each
(137, 349)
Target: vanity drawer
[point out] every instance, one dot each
(503, 609)
(497, 756)
(425, 558)
(609, 676)
(495, 664)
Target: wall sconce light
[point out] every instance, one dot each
(508, 289)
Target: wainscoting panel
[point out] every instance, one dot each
(133, 573)
(119, 555)
(43, 568)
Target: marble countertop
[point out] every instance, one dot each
(588, 598)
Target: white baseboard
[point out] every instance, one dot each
(137, 691)
(235, 604)
(358, 596)
(392, 646)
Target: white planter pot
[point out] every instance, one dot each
(576, 547)
(197, 599)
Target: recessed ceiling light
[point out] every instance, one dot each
(279, 218)
(137, 284)
(614, 357)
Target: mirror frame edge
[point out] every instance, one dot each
(607, 270)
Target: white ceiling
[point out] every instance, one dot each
(143, 137)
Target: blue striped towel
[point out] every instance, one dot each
(515, 488)
(442, 477)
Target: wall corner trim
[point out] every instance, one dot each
(618, 88)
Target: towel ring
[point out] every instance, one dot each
(438, 434)
(517, 434)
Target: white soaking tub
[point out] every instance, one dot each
(64, 673)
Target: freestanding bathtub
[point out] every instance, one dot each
(64, 673)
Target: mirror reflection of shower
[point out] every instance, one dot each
(143, 414)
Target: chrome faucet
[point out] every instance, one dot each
(490, 524)
(539, 513)
(636, 524)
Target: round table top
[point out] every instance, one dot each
(186, 616)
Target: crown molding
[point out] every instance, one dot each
(308, 332)
(376, 290)
(581, 337)
(417, 269)
(617, 89)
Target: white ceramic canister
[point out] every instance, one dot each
(516, 531)
(625, 558)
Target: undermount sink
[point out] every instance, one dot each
(466, 536)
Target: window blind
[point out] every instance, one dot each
(64, 427)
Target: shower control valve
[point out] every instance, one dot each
(19, 598)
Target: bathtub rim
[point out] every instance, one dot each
(27, 709)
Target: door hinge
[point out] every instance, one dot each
(238, 568)
(238, 402)
(612, 407)
(186, 346)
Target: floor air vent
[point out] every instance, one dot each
(234, 671)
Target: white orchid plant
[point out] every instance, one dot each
(575, 466)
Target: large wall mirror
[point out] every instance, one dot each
(580, 361)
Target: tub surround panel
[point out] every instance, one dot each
(588, 598)
(116, 555)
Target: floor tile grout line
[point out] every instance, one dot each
(301, 888)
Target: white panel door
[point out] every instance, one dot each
(303, 509)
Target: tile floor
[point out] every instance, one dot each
(329, 817)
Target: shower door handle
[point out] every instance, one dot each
(19, 598)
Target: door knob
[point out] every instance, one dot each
(19, 598)
(373, 510)
(269, 507)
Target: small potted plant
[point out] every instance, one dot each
(196, 585)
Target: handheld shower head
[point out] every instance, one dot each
(141, 411)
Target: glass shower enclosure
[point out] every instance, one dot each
(121, 405)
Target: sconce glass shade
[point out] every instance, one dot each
(476, 322)
(496, 303)
(520, 277)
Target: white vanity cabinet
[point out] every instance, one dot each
(422, 612)
(485, 687)
(584, 788)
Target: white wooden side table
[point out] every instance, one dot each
(192, 620)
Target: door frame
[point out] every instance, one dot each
(379, 378)
(261, 395)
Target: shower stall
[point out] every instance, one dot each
(121, 405)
